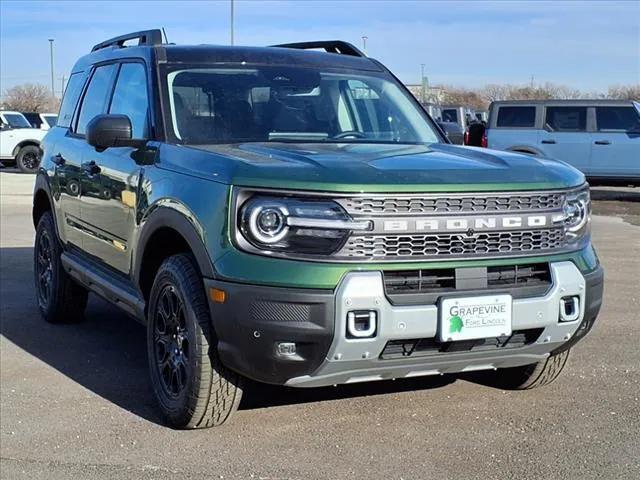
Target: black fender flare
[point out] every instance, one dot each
(170, 217)
(42, 185)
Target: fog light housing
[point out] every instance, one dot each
(286, 349)
(361, 324)
(569, 308)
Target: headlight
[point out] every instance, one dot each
(577, 213)
(296, 225)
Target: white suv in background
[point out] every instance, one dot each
(19, 141)
(599, 137)
(43, 121)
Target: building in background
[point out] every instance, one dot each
(434, 95)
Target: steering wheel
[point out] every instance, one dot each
(350, 133)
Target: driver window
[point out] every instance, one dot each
(130, 98)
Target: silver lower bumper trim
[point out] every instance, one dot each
(354, 360)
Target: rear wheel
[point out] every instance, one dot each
(528, 376)
(60, 298)
(193, 388)
(28, 159)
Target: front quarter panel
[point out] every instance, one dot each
(202, 203)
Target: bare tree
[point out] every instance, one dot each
(624, 92)
(494, 92)
(30, 97)
(463, 96)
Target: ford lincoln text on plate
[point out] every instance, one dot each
(294, 217)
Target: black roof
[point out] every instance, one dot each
(337, 54)
(265, 56)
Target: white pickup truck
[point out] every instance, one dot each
(19, 142)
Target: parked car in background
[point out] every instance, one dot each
(43, 121)
(19, 141)
(433, 110)
(482, 115)
(453, 131)
(459, 114)
(599, 137)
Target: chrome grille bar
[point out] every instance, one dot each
(430, 246)
(430, 204)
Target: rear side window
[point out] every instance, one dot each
(450, 115)
(516, 117)
(130, 97)
(567, 119)
(70, 100)
(97, 96)
(617, 118)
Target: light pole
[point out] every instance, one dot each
(422, 89)
(232, 12)
(53, 92)
(364, 43)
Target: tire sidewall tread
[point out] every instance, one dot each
(212, 392)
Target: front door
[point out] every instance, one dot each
(565, 136)
(616, 142)
(111, 177)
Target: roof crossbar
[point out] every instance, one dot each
(330, 46)
(145, 37)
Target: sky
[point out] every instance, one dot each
(583, 44)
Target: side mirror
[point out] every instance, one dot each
(5, 126)
(105, 131)
(548, 127)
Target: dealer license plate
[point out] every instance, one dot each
(467, 318)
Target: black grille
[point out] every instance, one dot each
(426, 286)
(280, 311)
(451, 245)
(424, 347)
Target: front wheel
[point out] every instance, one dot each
(528, 376)
(28, 159)
(193, 388)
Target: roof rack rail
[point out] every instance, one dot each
(330, 46)
(145, 37)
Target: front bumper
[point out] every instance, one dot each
(254, 319)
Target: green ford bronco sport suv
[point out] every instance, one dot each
(291, 215)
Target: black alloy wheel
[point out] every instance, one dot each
(44, 270)
(171, 342)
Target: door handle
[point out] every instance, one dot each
(548, 142)
(58, 160)
(90, 168)
(602, 142)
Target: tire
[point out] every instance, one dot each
(193, 388)
(528, 376)
(28, 159)
(60, 298)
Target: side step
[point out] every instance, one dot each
(106, 285)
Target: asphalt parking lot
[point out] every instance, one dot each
(76, 401)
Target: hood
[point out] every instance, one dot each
(375, 167)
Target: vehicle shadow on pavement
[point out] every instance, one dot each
(259, 395)
(106, 353)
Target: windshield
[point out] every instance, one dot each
(279, 104)
(50, 119)
(16, 120)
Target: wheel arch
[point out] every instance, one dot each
(42, 200)
(25, 143)
(166, 232)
